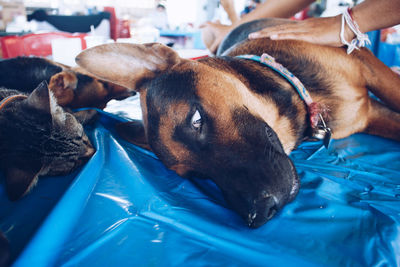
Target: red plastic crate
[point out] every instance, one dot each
(33, 44)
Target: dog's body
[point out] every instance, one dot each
(73, 87)
(235, 120)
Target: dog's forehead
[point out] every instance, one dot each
(218, 88)
(177, 84)
(172, 98)
(217, 91)
(223, 93)
(196, 85)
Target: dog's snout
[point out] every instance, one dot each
(263, 209)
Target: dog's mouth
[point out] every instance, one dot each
(258, 192)
(266, 208)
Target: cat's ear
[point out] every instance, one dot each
(19, 182)
(40, 98)
(133, 132)
(63, 85)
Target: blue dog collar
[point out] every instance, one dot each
(320, 129)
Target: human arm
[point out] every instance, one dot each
(214, 32)
(370, 15)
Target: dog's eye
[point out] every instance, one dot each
(196, 121)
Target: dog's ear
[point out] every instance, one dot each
(133, 132)
(128, 64)
(63, 85)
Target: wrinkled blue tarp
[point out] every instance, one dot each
(124, 208)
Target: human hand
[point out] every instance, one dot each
(324, 31)
(213, 33)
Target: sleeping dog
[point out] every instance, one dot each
(235, 120)
(73, 87)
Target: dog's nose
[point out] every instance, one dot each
(262, 211)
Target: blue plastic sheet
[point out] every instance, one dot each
(389, 54)
(124, 208)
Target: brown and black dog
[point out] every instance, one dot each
(73, 87)
(235, 120)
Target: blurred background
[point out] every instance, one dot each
(59, 29)
(346, 214)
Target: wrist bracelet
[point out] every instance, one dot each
(360, 40)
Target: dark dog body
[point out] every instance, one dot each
(235, 121)
(73, 87)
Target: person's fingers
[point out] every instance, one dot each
(207, 36)
(203, 25)
(281, 35)
(324, 31)
(210, 39)
(263, 34)
(268, 33)
(276, 30)
(259, 34)
(213, 34)
(206, 24)
(289, 33)
(300, 36)
(289, 36)
(211, 24)
(214, 46)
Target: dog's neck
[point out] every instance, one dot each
(268, 111)
(316, 111)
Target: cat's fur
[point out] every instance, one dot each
(37, 137)
(73, 87)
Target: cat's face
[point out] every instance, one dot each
(68, 146)
(40, 138)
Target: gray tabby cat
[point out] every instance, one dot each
(4, 250)
(37, 138)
